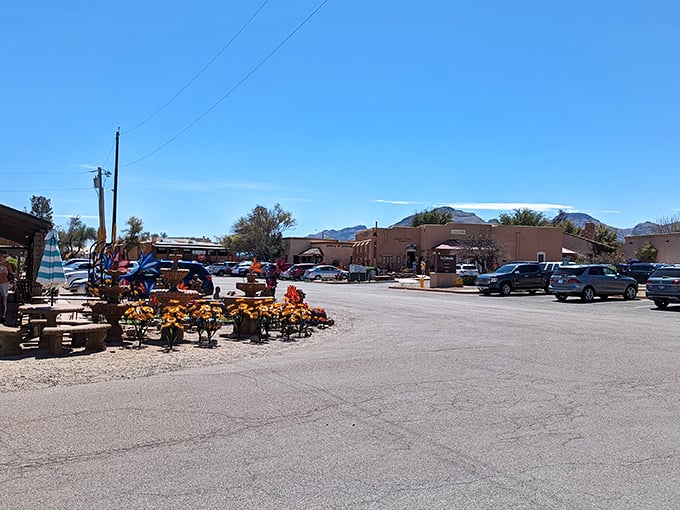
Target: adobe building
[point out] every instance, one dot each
(298, 250)
(667, 246)
(396, 248)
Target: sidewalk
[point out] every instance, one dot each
(470, 289)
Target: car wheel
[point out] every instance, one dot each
(318, 278)
(220, 273)
(506, 289)
(561, 297)
(661, 303)
(630, 293)
(588, 294)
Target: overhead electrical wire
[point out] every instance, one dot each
(113, 144)
(232, 90)
(41, 190)
(199, 72)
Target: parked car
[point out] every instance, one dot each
(222, 268)
(588, 281)
(642, 270)
(78, 265)
(465, 269)
(296, 271)
(511, 277)
(325, 272)
(77, 274)
(241, 268)
(663, 286)
(68, 263)
(76, 280)
(548, 270)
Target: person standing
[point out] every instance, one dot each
(5, 277)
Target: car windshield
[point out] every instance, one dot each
(574, 271)
(507, 268)
(667, 272)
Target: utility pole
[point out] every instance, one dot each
(99, 185)
(115, 191)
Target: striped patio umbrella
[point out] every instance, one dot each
(51, 270)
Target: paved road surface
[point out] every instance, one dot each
(418, 400)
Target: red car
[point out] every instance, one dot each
(295, 271)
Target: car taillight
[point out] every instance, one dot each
(573, 281)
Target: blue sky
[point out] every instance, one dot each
(369, 112)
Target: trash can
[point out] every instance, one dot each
(357, 277)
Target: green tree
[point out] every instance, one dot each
(607, 249)
(133, 235)
(524, 216)
(647, 253)
(74, 238)
(42, 208)
(260, 233)
(431, 217)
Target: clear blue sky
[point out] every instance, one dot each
(371, 111)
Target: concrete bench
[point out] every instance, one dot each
(73, 322)
(10, 341)
(36, 326)
(91, 336)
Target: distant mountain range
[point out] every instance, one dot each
(458, 216)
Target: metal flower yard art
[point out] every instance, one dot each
(291, 316)
(140, 315)
(208, 319)
(172, 326)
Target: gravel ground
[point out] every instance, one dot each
(36, 368)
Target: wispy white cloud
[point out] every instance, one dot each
(81, 216)
(86, 166)
(507, 206)
(397, 202)
(610, 212)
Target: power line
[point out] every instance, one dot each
(199, 72)
(232, 90)
(40, 172)
(113, 144)
(41, 190)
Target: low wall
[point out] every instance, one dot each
(441, 280)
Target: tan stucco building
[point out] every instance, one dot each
(317, 251)
(396, 248)
(667, 246)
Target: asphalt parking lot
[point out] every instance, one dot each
(412, 400)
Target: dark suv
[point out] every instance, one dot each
(663, 286)
(511, 277)
(641, 270)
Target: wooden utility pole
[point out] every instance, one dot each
(115, 192)
(99, 184)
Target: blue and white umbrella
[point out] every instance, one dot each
(51, 270)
